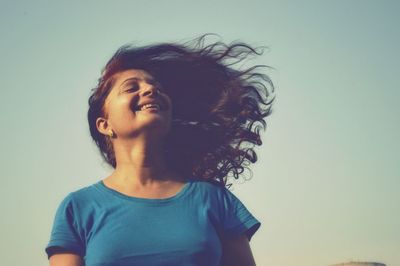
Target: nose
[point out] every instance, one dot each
(153, 90)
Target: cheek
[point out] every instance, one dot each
(120, 110)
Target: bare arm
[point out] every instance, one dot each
(237, 252)
(66, 259)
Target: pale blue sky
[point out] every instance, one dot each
(326, 185)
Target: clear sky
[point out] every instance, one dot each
(326, 186)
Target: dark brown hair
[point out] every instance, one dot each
(215, 106)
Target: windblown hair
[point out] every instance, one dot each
(215, 107)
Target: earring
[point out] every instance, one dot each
(111, 134)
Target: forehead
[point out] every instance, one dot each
(122, 76)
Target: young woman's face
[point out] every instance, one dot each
(131, 90)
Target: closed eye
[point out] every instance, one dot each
(133, 88)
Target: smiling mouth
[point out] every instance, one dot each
(149, 107)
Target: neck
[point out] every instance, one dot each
(141, 165)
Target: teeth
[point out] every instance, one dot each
(150, 105)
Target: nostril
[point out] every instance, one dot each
(152, 90)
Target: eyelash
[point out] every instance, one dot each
(135, 87)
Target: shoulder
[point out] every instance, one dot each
(79, 198)
(210, 191)
(214, 186)
(84, 193)
(208, 185)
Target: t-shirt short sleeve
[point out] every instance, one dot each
(236, 217)
(65, 236)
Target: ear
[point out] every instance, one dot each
(103, 126)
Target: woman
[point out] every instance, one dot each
(169, 118)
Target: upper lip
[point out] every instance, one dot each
(139, 106)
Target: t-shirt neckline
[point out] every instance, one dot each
(184, 190)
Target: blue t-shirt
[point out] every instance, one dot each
(108, 228)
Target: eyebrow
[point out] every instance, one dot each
(148, 80)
